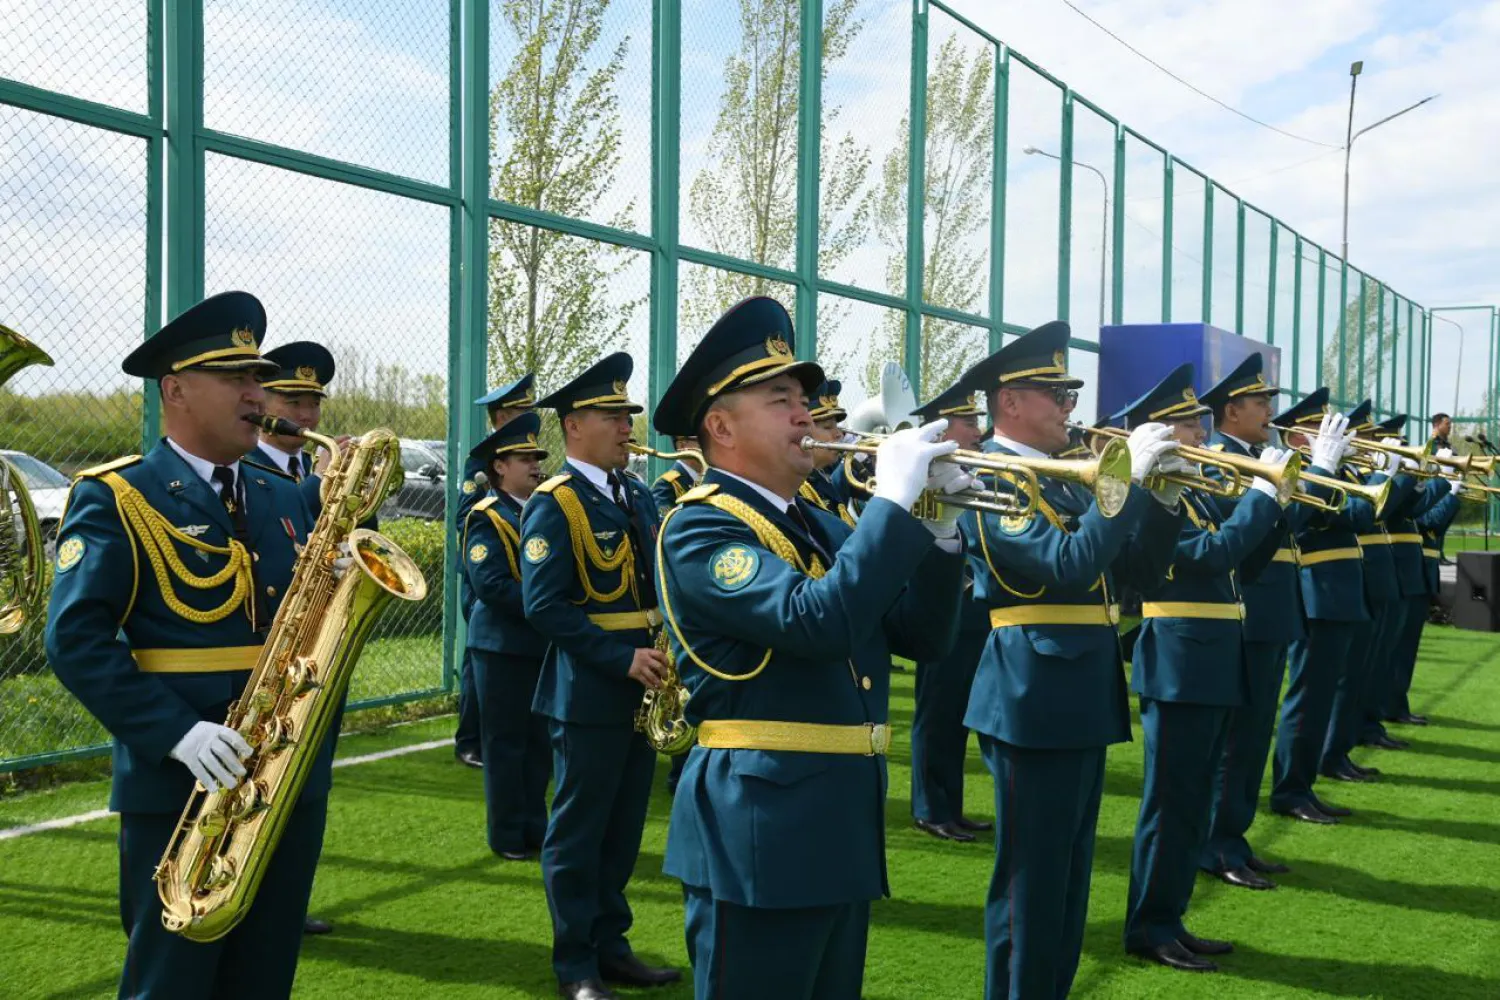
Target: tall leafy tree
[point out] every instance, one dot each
(555, 140)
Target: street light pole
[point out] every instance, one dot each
(1103, 220)
(1351, 135)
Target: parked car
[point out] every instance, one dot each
(423, 486)
(48, 489)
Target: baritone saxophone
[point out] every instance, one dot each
(223, 844)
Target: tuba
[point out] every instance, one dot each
(21, 547)
(213, 865)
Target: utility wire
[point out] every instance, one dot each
(1201, 93)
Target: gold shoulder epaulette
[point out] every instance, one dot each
(266, 468)
(670, 476)
(99, 470)
(554, 483)
(699, 493)
(486, 503)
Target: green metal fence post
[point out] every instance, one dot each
(1117, 265)
(1065, 211)
(916, 197)
(156, 236)
(1271, 276)
(998, 155)
(1322, 311)
(666, 111)
(809, 153)
(1364, 307)
(1167, 175)
(184, 195)
(1208, 250)
(1343, 325)
(1239, 266)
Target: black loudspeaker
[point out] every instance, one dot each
(1476, 599)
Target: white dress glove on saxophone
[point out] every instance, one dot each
(213, 753)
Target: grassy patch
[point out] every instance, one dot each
(1403, 901)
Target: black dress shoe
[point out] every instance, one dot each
(1307, 814)
(586, 989)
(944, 831)
(1411, 719)
(1387, 743)
(312, 925)
(1329, 809)
(470, 758)
(1369, 773)
(973, 825)
(1242, 877)
(631, 971)
(1341, 772)
(514, 855)
(1204, 946)
(1265, 867)
(1174, 956)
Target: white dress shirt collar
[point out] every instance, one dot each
(595, 475)
(202, 466)
(281, 457)
(1024, 450)
(779, 502)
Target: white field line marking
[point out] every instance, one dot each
(62, 823)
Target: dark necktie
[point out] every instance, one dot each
(645, 585)
(234, 504)
(295, 467)
(794, 512)
(1255, 450)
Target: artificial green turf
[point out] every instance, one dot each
(1402, 901)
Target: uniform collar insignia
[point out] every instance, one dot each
(194, 530)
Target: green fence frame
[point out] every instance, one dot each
(174, 268)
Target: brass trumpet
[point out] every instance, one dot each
(1107, 476)
(1376, 496)
(1236, 471)
(1423, 457)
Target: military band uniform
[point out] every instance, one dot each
(506, 656)
(1189, 672)
(515, 395)
(150, 663)
(1433, 524)
(667, 490)
(1331, 572)
(783, 621)
(1049, 693)
(829, 488)
(587, 587)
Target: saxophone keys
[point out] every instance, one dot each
(279, 734)
(221, 873)
(213, 821)
(250, 799)
(302, 677)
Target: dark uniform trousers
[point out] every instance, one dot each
(1190, 674)
(148, 711)
(1242, 768)
(1364, 673)
(939, 738)
(1317, 662)
(601, 766)
(1046, 701)
(514, 742)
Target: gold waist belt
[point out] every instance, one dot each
(626, 621)
(1055, 614)
(1192, 609)
(1431, 554)
(1408, 538)
(1284, 555)
(1381, 539)
(196, 661)
(868, 740)
(1328, 555)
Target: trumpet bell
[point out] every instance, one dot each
(889, 410)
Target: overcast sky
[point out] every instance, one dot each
(355, 267)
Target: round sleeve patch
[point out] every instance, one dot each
(469, 486)
(69, 553)
(536, 549)
(734, 566)
(478, 551)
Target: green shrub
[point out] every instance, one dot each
(424, 541)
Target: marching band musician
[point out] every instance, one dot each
(1049, 694)
(1190, 674)
(501, 406)
(827, 487)
(783, 621)
(1331, 574)
(681, 477)
(1405, 615)
(159, 654)
(588, 587)
(1370, 646)
(505, 650)
(939, 740)
(1241, 404)
(1433, 525)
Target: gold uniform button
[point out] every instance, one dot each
(864, 682)
(270, 591)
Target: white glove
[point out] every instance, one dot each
(903, 461)
(343, 561)
(1331, 441)
(1271, 456)
(213, 753)
(1457, 486)
(1396, 462)
(946, 477)
(1173, 463)
(1148, 443)
(1444, 453)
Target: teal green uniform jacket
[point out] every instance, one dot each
(586, 673)
(492, 565)
(1050, 686)
(106, 602)
(1198, 660)
(794, 829)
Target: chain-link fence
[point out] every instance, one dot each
(449, 196)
